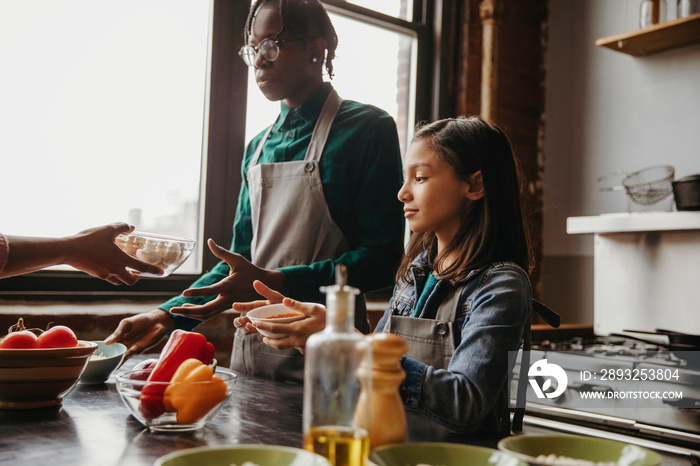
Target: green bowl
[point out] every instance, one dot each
(597, 450)
(260, 455)
(443, 454)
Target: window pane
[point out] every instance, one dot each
(372, 65)
(401, 9)
(102, 110)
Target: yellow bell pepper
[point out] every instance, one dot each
(194, 391)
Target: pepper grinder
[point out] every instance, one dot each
(387, 413)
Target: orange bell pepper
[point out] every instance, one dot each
(194, 390)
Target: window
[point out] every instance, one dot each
(103, 105)
(153, 95)
(397, 8)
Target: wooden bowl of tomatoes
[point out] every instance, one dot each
(38, 370)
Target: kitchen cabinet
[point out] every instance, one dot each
(646, 270)
(658, 38)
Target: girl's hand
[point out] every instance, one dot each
(297, 332)
(273, 297)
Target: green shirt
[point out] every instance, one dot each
(427, 289)
(360, 170)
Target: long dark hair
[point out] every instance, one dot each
(494, 228)
(301, 19)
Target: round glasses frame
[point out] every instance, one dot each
(269, 48)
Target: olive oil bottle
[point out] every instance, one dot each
(333, 383)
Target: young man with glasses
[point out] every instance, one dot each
(318, 189)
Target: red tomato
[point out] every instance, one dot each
(19, 340)
(59, 336)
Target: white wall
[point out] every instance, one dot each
(606, 111)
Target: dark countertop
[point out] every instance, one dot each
(93, 427)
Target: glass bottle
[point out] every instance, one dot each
(333, 381)
(652, 12)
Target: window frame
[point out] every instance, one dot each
(225, 142)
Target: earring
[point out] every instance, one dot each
(314, 59)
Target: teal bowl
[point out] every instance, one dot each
(443, 454)
(260, 455)
(103, 362)
(562, 449)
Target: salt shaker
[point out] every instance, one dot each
(388, 415)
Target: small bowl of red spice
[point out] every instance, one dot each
(276, 314)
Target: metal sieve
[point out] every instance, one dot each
(648, 190)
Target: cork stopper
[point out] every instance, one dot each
(340, 298)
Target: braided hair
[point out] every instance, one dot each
(300, 19)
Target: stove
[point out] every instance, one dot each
(616, 384)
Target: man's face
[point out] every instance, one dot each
(288, 77)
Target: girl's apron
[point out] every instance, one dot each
(292, 225)
(430, 341)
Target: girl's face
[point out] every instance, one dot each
(293, 76)
(434, 198)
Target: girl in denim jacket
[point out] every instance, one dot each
(462, 296)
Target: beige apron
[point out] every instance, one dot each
(430, 341)
(292, 225)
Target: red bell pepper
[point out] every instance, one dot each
(181, 345)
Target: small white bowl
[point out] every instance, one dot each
(268, 313)
(103, 362)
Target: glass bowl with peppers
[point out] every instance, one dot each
(181, 391)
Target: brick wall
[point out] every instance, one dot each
(518, 88)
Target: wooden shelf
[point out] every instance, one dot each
(654, 39)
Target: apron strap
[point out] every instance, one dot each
(320, 133)
(549, 316)
(258, 150)
(323, 127)
(447, 311)
(521, 396)
(553, 319)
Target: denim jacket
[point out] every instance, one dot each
(493, 307)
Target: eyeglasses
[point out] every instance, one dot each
(269, 48)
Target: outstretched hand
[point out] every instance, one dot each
(238, 286)
(297, 332)
(93, 251)
(141, 332)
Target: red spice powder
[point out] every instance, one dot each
(282, 316)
